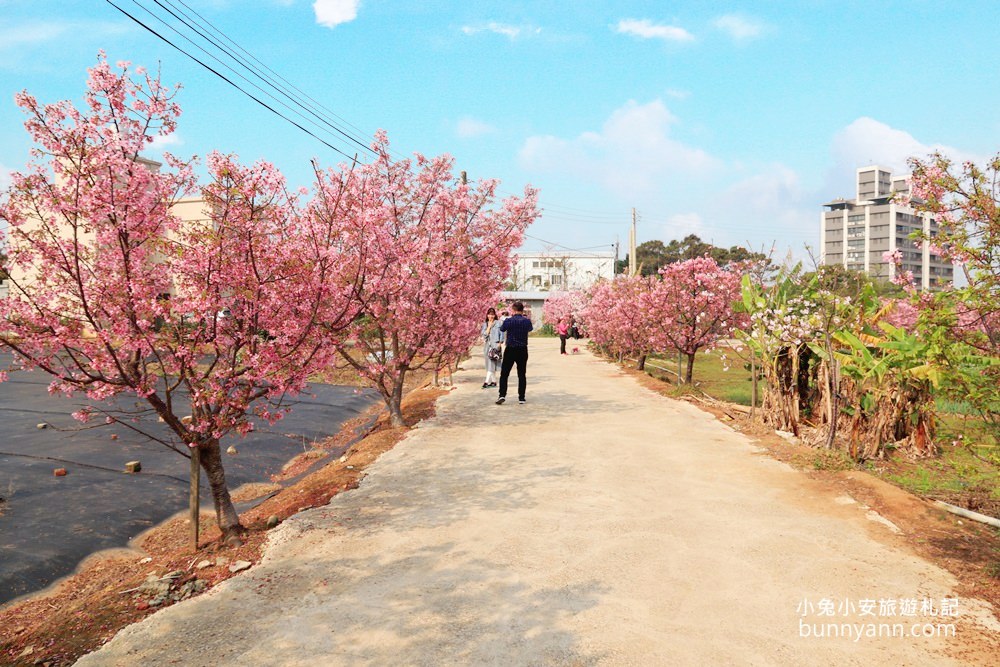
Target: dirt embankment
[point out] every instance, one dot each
(111, 590)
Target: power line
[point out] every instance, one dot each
(562, 218)
(201, 26)
(314, 107)
(230, 82)
(224, 64)
(205, 21)
(564, 247)
(589, 213)
(242, 63)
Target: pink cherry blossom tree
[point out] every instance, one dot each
(692, 306)
(112, 294)
(965, 200)
(567, 306)
(435, 254)
(616, 321)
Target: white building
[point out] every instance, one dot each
(857, 233)
(536, 275)
(560, 271)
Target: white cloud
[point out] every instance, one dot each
(636, 158)
(34, 33)
(768, 206)
(331, 13)
(648, 30)
(24, 35)
(867, 141)
(632, 154)
(678, 94)
(740, 28)
(161, 143)
(775, 187)
(468, 128)
(682, 224)
(510, 31)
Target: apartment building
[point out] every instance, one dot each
(857, 233)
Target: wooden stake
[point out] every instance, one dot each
(194, 504)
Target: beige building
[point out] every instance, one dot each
(188, 210)
(856, 233)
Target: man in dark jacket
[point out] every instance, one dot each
(516, 327)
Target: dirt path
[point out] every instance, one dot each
(598, 524)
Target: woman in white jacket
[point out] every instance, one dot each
(492, 340)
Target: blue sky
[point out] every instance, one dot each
(731, 120)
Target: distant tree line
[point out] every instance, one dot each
(652, 255)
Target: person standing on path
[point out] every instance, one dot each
(492, 338)
(563, 330)
(516, 327)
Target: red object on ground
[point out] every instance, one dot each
(59, 472)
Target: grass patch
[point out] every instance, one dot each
(831, 460)
(727, 382)
(956, 476)
(950, 407)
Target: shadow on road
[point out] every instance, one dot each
(433, 494)
(480, 409)
(436, 604)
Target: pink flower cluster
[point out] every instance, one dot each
(560, 306)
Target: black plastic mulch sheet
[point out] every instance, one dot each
(49, 524)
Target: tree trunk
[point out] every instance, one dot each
(225, 513)
(642, 363)
(396, 402)
(689, 373)
(833, 404)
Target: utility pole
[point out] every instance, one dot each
(614, 267)
(631, 246)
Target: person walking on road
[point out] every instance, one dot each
(516, 327)
(492, 339)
